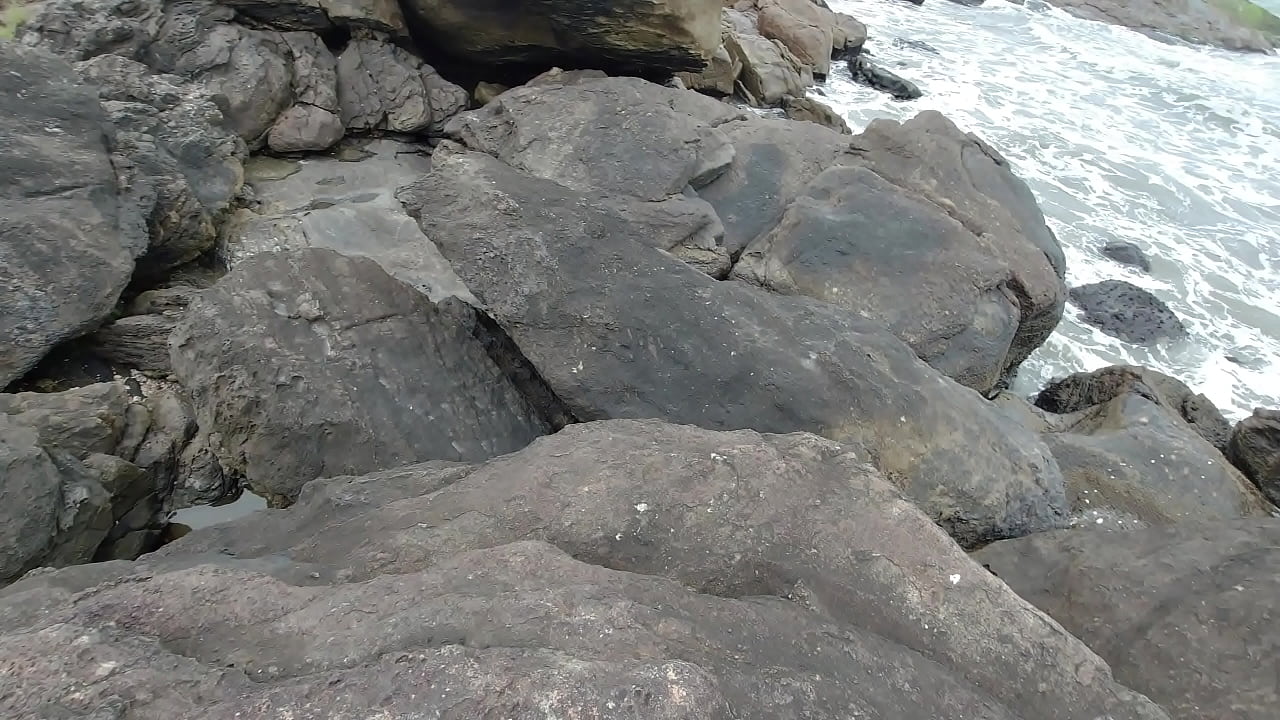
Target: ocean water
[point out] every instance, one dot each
(1121, 137)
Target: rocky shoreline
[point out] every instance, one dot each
(591, 369)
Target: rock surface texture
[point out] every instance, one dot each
(1254, 447)
(720, 583)
(362, 372)
(68, 238)
(1126, 311)
(1185, 615)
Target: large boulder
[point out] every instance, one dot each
(346, 203)
(931, 236)
(1128, 312)
(1254, 447)
(1184, 615)
(68, 238)
(85, 474)
(619, 328)
(805, 27)
(1130, 463)
(725, 570)
(1083, 390)
(307, 363)
(1232, 24)
(631, 35)
(770, 71)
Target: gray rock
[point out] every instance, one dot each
(176, 161)
(848, 37)
(312, 122)
(384, 87)
(1184, 615)
(68, 239)
(723, 561)
(773, 162)
(618, 328)
(814, 111)
(933, 237)
(638, 36)
(345, 203)
(1255, 449)
(873, 76)
(608, 135)
(362, 371)
(1231, 25)
(1128, 312)
(719, 77)
(83, 469)
(1084, 390)
(1130, 463)
(1126, 253)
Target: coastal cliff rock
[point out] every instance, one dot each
(1231, 24)
(1254, 447)
(721, 584)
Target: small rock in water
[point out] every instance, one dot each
(1126, 253)
(915, 45)
(874, 76)
(1128, 312)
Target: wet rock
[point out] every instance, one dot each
(1084, 390)
(69, 236)
(873, 76)
(1231, 24)
(363, 372)
(638, 36)
(1126, 253)
(773, 161)
(1184, 615)
(1130, 463)
(814, 111)
(1128, 312)
(914, 44)
(848, 37)
(1254, 447)
(619, 328)
(345, 205)
(383, 87)
(768, 579)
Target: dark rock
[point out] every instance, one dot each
(773, 162)
(969, 3)
(973, 304)
(636, 36)
(810, 110)
(876, 77)
(1184, 615)
(1126, 311)
(1126, 253)
(362, 372)
(344, 205)
(68, 239)
(1130, 463)
(1084, 390)
(383, 87)
(721, 576)
(1231, 24)
(138, 341)
(619, 329)
(1255, 449)
(325, 16)
(81, 470)
(915, 45)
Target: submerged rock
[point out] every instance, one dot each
(1128, 312)
(1184, 615)
(1126, 253)
(873, 76)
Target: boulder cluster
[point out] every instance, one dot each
(579, 383)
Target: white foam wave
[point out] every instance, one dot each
(1121, 137)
